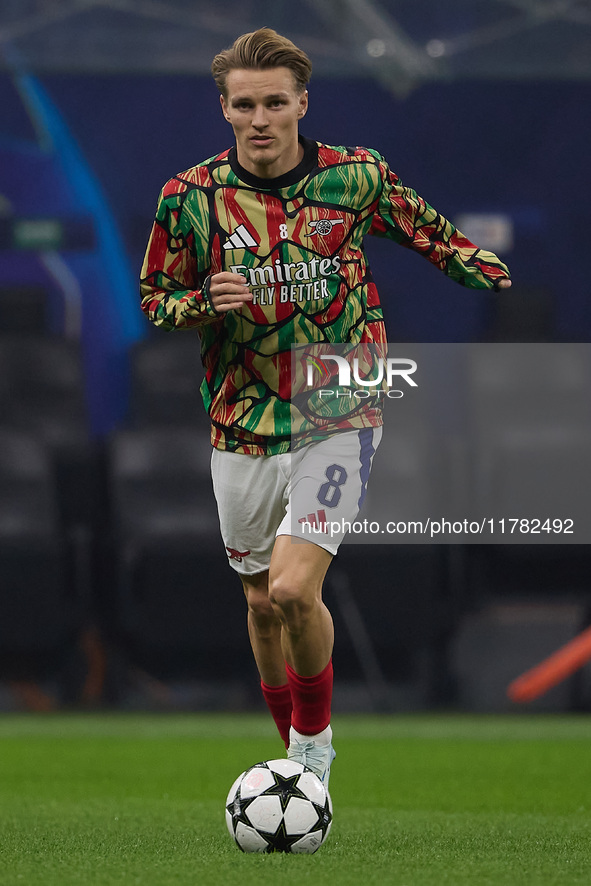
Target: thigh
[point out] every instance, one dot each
(250, 495)
(328, 485)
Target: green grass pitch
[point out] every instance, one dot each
(419, 800)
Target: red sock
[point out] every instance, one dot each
(279, 702)
(312, 697)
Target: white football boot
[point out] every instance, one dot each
(314, 751)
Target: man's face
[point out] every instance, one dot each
(264, 108)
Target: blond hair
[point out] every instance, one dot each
(260, 49)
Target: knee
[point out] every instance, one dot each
(260, 609)
(259, 605)
(293, 604)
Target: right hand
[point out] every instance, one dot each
(228, 292)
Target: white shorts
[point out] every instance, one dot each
(262, 496)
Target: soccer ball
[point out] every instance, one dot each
(279, 806)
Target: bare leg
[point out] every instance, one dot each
(296, 575)
(264, 630)
(287, 618)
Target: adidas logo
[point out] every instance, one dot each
(240, 239)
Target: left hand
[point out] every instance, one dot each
(504, 283)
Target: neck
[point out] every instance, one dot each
(272, 170)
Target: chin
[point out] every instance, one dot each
(263, 155)
(263, 162)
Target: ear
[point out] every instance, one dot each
(224, 108)
(303, 104)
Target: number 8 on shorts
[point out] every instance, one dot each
(329, 493)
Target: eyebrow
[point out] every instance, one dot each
(247, 98)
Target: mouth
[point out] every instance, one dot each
(261, 141)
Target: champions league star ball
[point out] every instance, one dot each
(279, 806)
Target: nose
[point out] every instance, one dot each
(259, 117)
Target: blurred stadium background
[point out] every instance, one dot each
(114, 590)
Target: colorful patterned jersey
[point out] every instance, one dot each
(298, 239)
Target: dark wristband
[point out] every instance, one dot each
(209, 306)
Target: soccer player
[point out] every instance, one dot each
(256, 248)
